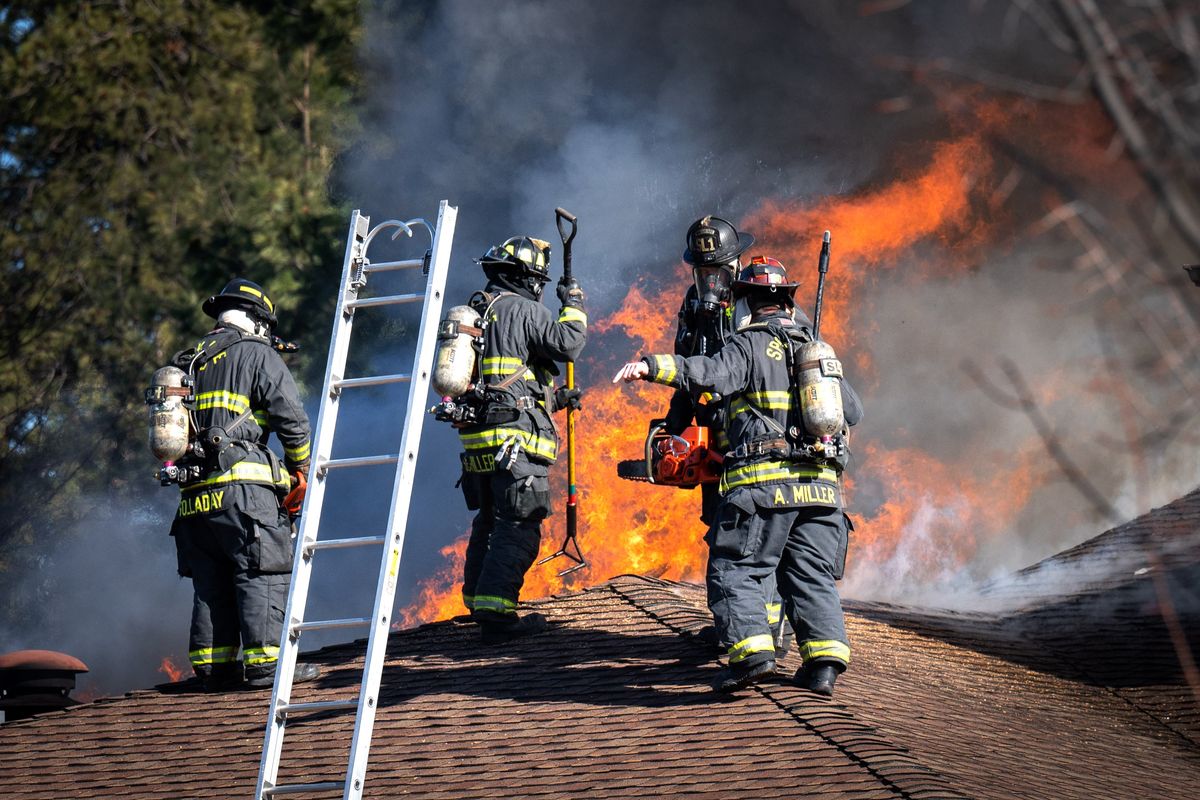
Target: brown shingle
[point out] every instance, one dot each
(613, 702)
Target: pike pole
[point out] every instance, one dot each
(822, 269)
(565, 221)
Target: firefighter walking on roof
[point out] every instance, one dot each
(781, 505)
(232, 532)
(506, 429)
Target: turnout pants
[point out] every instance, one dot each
(803, 550)
(505, 534)
(240, 566)
(710, 501)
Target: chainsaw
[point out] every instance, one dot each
(686, 460)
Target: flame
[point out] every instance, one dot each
(629, 527)
(168, 668)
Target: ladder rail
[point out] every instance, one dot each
(289, 647)
(355, 267)
(414, 420)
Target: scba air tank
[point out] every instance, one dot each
(169, 419)
(820, 389)
(454, 362)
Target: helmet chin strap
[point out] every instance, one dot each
(237, 318)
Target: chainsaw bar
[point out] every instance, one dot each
(633, 470)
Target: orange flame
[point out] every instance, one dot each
(168, 668)
(628, 527)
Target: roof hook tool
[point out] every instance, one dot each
(565, 221)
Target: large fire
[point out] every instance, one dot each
(628, 527)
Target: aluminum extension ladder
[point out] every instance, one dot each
(354, 277)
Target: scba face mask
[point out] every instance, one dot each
(712, 286)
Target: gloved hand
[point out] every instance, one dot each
(294, 501)
(633, 371)
(564, 398)
(570, 293)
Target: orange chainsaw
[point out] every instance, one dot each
(686, 460)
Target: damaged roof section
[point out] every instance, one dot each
(613, 702)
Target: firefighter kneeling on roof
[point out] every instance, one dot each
(503, 416)
(232, 531)
(781, 506)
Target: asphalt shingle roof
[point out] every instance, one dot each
(1076, 696)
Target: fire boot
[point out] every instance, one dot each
(706, 637)
(222, 678)
(819, 675)
(740, 675)
(304, 673)
(501, 631)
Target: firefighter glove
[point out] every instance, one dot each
(294, 501)
(570, 293)
(567, 398)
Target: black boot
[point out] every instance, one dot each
(501, 632)
(819, 675)
(706, 637)
(221, 678)
(304, 673)
(742, 674)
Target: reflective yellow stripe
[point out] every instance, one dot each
(774, 401)
(502, 367)
(759, 643)
(769, 471)
(487, 602)
(825, 648)
(774, 612)
(247, 472)
(212, 655)
(664, 369)
(298, 453)
(494, 437)
(261, 655)
(469, 601)
(261, 418)
(236, 403)
(572, 314)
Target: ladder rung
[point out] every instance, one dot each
(336, 544)
(390, 300)
(302, 788)
(378, 380)
(329, 624)
(385, 266)
(318, 705)
(361, 461)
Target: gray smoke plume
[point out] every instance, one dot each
(639, 118)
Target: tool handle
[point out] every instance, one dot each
(563, 219)
(822, 268)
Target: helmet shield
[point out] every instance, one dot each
(712, 240)
(763, 281)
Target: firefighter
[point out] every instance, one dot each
(714, 249)
(781, 507)
(232, 532)
(509, 449)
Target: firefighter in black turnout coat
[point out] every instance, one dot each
(234, 538)
(781, 508)
(509, 449)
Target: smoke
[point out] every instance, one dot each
(111, 597)
(639, 118)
